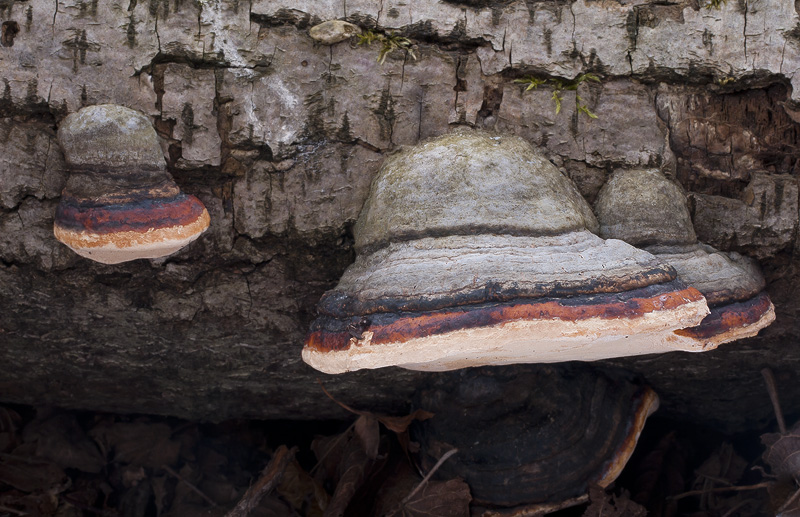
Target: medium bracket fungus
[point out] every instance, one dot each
(473, 249)
(644, 208)
(531, 435)
(120, 203)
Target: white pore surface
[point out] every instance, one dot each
(113, 254)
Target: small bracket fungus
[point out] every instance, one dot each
(120, 203)
(644, 208)
(473, 249)
(537, 437)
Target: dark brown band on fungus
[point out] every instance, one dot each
(329, 334)
(734, 315)
(337, 304)
(96, 181)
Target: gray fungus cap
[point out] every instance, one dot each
(465, 183)
(111, 136)
(645, 208)
(642, 207)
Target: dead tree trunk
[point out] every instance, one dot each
(280, 137)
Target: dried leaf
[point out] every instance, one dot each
(138, 443)
(356, 466)
(439, 499)
(785, 498)
(329, 451)
(82, 495)
(60, 438)
(220, 489)
(31, 475)
(160, 493)
(610, 505)
(352, 454)
(303, 492)
(269, 479)
(352, 473)
(661, 474)
(723, 464)
(188, 477)
(366, 428)
(135, 500)
(782, 452)
(723, 467)
(398, 424)
(41, 504)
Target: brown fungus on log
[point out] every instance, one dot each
(644, 208)
(532, 435)
(120, 203)
(473, 249)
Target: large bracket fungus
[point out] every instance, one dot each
(473, 249)
(646, 209)
(120, 203)
(533, 435)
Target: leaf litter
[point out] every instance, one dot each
(68, 464)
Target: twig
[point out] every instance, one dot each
(424, 480)
(713, 479)
(270, 477)
(11, 510)
(773, 396)
(737, 507)
(430, 473)
(342, 404)
(764, 484)
(191, 486)
(332, 446)
(788, 502)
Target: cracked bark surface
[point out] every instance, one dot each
(280, 138)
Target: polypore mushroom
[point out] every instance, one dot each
(531, 436)
(473, 249)
(120, 203)
(644, 208)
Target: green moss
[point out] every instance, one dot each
(388, 43)
(560, 85)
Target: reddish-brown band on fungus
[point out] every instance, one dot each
(645, 403)
(330, 334)
(141, 215)
(734, 315)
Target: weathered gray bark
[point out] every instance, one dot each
(280, 138)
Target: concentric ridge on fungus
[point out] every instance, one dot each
(473, 249)
(534, 436)
(645, 208)
(120, 203)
